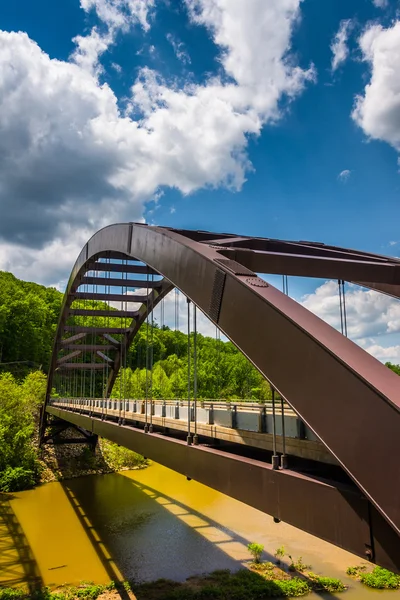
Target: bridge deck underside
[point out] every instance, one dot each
(333, 511)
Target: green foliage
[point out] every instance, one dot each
(298, 565)
(223, 585)
(222, 371)
(219, 585)
(11, 594)
(28, 319)
(256, 551)
(85, 591)
(19, 468)
(394, 368)
(118, 457)
(325, 584)
(355, 571)
(380, 578)
(279, 553)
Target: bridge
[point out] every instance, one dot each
(322, 455)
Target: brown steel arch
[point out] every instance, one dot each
(349, 399)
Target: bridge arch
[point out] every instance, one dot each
(349, 399)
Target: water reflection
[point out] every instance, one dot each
(17, 561)
(145, 525)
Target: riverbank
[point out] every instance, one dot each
(261, 580)
(258, 580)
(68, 461)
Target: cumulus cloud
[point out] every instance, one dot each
(71, 162)
(339, 45)
(377, 111)
(369, 313)
(344, 175)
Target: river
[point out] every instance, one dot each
(145, 524)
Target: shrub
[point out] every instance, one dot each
(298, 565)
(256, 551)
(279, 553)
(381, 579)
(15, 479)
(326, 584)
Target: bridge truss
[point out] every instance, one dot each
(349, 399)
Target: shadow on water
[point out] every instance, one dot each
(17, 562)
(146, 535)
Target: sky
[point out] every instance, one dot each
(272, 118)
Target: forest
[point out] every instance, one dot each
(28, 320)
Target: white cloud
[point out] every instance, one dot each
(179, 49)
(116, 67)
(339, 45)
(116, 15)
(344, 175)
(71, 162)
(89, 48)
(388, 354)
(204, 325)
(369, 313)
(381, 3)
(121, 14)
(377, 112)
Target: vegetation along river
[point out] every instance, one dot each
(146, 524)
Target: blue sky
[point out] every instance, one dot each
(277, 118)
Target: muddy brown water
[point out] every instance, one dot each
(145, 525)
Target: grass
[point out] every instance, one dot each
(261, 580)
(378, 578)
(84, 591)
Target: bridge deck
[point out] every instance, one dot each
(237, 423)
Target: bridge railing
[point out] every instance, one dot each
(245, 416)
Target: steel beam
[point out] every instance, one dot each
(97, 312)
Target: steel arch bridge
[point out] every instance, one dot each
(349, 399)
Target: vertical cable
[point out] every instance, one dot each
(189, 437)
(176, 340)
(151, 356)
(195, 437)
(146, 427)
(341, 306)
(283, 457)
(124, 336)
(344, 309)
(275, 457)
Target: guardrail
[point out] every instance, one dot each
(243, 416)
